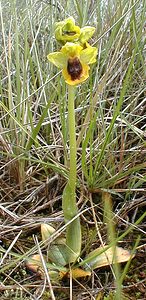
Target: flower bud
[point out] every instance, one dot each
(67, 31)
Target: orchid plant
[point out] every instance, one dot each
(74, 58)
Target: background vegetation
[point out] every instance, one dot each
(110, 118)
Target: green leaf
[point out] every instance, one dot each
(107, 257)
(58, 254)
(46, 231)
(73, 234)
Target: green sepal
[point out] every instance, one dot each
(86, 34)
(88, 55)
(57, 58)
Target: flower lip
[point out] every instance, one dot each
(74, 68)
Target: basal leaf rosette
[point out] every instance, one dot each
(74, 62)
(67, 31)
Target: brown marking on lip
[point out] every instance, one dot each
(74, 68)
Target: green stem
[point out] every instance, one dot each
(72, 137)
(70, 210)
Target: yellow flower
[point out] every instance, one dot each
(67, 31)
(74, 61)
